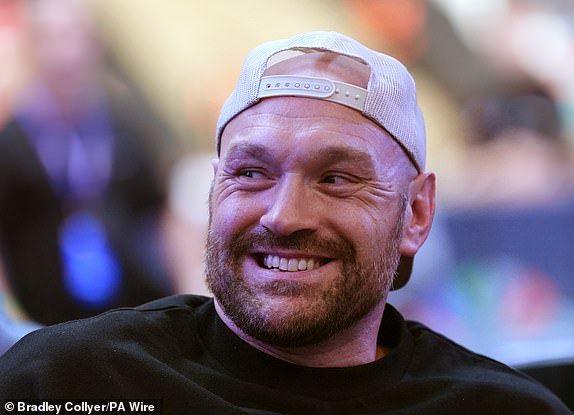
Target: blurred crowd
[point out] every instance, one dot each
(103, 202)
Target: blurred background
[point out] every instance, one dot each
(115, 213)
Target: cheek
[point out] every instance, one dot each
(232, 214)
(360, 221)
(369, 230)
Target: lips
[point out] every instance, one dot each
(292, 264)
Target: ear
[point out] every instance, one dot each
(419, 213)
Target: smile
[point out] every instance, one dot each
(291, 264)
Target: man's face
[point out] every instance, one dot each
(306, 220)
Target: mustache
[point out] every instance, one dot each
(304, 241)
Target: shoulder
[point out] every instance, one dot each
(121, 334)
(11, 133)
(437, 353)
(16, 151)
(121, 324)
(10, 128)
(473, 376)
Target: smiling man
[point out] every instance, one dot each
(319, 203)
(308, 215)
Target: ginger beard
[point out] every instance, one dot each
(311, 312)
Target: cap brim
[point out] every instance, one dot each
(403, 272)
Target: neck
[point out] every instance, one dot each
(354, 346)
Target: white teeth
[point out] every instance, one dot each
(291, 264)
(310, 264)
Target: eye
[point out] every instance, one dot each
(251, 174)
(251, 179)
(340, 184)
(335, 179)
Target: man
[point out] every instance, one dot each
(79, 178)
(320, 201)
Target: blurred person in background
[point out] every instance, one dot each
(520, 136)
(465, 83)
(81, 179)
(420, 34)
(446, 70)
(517, 153)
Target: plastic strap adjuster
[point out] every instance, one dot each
(313, 87)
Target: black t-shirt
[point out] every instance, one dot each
(179, 351)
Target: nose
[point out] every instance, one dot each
(291, 209)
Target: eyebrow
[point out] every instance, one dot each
(248, 150)
(335, 154)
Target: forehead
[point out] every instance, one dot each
(304, 128)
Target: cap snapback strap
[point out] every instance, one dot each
(313, 87)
